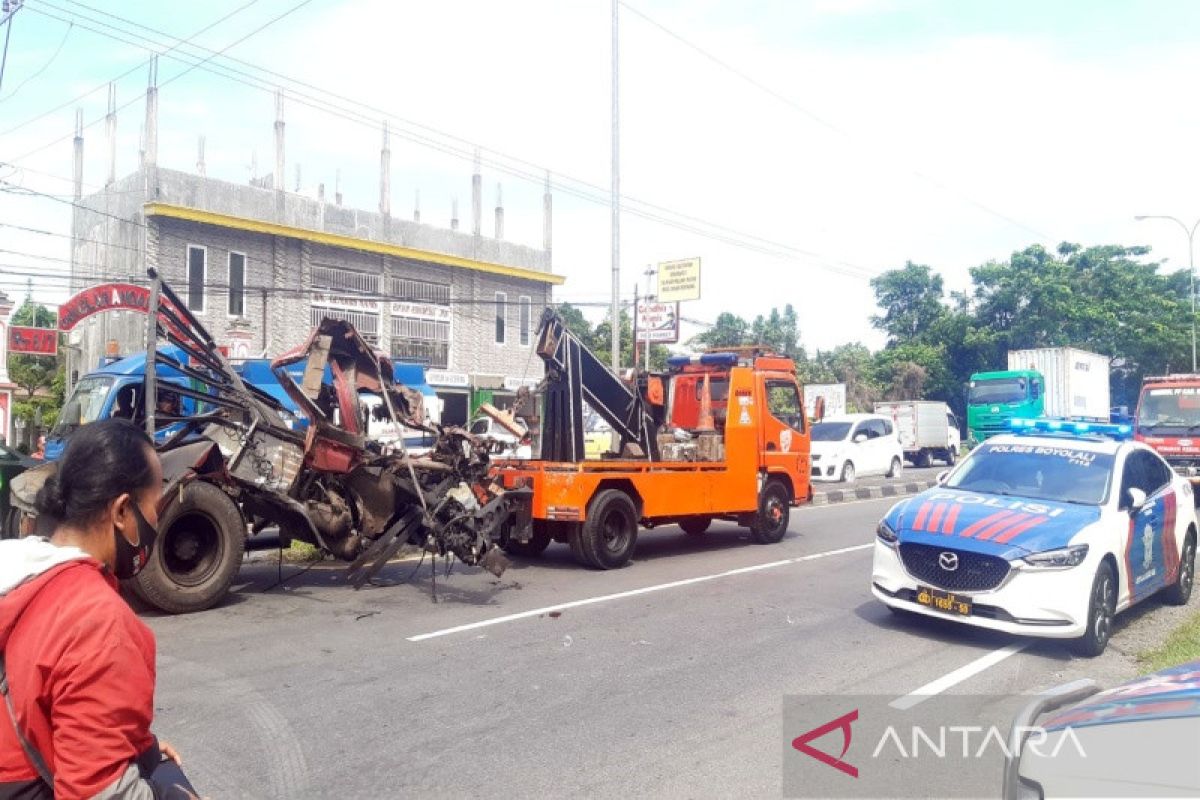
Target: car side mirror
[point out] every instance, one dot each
(859, 438)
(1134, 499)
(941, 476)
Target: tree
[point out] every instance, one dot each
(911, 299)
(729, 330)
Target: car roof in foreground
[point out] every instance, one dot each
(1091, 444)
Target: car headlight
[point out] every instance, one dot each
(1063, 558)
(886, 534)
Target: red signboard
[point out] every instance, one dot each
(35, 341)
(105, 297)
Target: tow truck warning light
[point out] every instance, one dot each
(1071, 427)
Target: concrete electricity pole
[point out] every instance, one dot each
(616, 202)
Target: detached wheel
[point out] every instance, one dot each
(774, 511)
(539, 540)
(1178, 593)
(201, 539)
(695, 526)
(609, 535)
(1101, 608)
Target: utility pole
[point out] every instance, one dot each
(616, 205)
(649, 273)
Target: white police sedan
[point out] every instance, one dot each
(1049, 531)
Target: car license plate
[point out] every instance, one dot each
(943, 601)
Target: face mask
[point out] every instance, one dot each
(131, 559)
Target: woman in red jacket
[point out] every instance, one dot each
(79, 663)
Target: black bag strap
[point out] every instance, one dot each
(35, 758)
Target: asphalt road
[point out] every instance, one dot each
(663, 679)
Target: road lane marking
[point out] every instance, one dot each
(635, 592)
(955, 677)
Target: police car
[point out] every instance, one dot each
(1048, 531)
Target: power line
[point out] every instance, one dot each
(128, 72)
(824, 122)
(582, 190)
(171, 79)
(44, 67)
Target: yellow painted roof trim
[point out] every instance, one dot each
(340, 240)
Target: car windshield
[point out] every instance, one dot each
(830, 431)
(999, 390)
(1056, 472)
(1169, 408)
(84, 405)
(479, 427)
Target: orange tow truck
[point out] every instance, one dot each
(722, 436)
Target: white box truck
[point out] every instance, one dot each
(1076, 381)
(927, 429)
(834, 395)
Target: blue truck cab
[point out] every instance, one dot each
(116, 389)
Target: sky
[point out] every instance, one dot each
(798, 147)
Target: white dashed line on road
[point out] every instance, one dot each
(955, 677)
(635, 592)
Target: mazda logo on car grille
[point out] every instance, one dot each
(948, 561)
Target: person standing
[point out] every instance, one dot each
(78, 665)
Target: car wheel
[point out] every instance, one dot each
(922, 459)
(1101, 608)
(771, 522)
(695, 526)
(848, 472)
(897, 465)
(1180, 592)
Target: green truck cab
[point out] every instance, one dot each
(993, 398)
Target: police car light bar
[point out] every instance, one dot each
(1070, 427)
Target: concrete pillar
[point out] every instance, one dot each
(150, 159)
(201, 169)
(76, 280)
(477, 198)
(454, 214)
(385, 176)
(278, 178)
(499, 212)
(547, 219)
(110, 125)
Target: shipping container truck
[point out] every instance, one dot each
(927, 430)
(1048, 381)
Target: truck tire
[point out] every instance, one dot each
(539, 540)
(201, 539)
(774, 512)
(609, 535)
(695, 526)
(922, 459)
(951, 456)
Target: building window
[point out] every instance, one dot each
(419, 291)
(345, 280)
(501, 310)
(237, 284)
(365, 322)
(526, 314)
(197, 258)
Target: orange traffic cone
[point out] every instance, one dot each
(706, 422)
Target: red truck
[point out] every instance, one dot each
(1168, 419)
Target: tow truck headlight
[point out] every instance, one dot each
(885, 534)
(1064, 558)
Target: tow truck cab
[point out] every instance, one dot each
(1168, 419)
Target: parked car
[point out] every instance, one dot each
(850, 445)
(513, 447)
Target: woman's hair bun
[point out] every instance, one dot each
(50, 499)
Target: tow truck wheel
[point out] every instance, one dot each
(539, 540)
(609, 535)
(1101, 608)
(201, 539)
(695, 526)
(774, 508)
(1180, 592)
